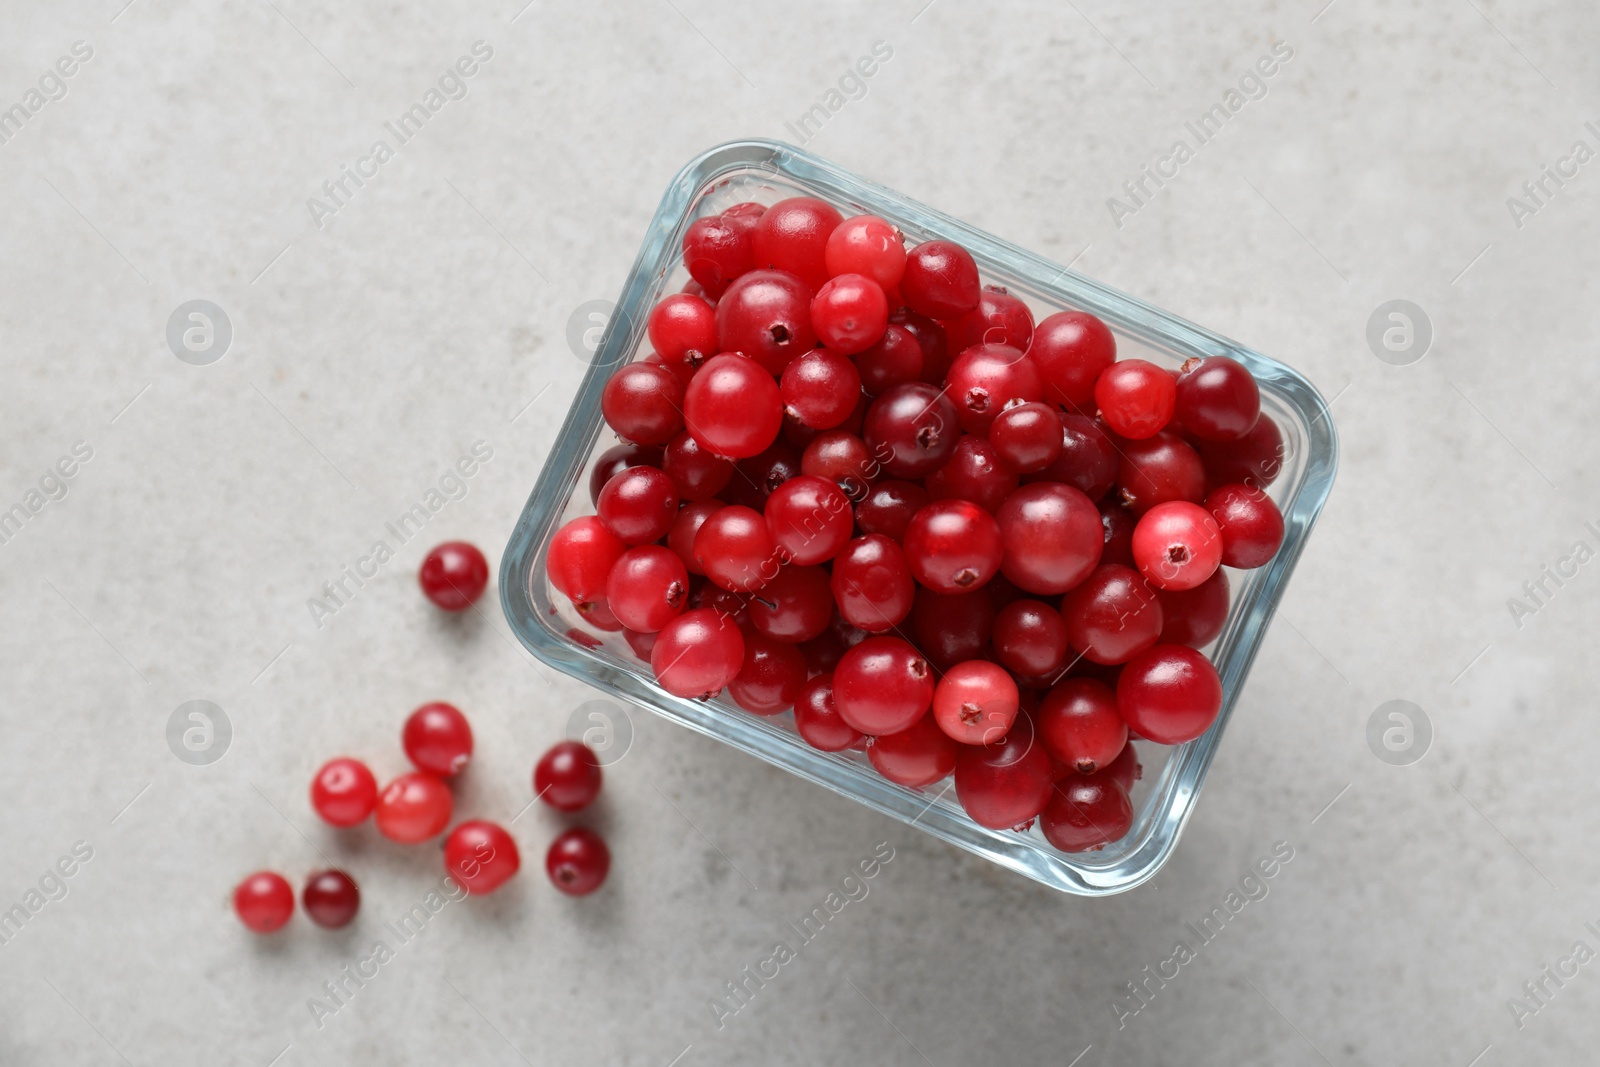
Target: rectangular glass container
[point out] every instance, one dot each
(767, 171)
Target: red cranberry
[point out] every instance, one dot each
(697, 654)
(894, 359)
(696, 472)
(638, 505)
(917, 756)
(643, 402)
(999, 319)
(1136, 397)
(1030, 638)
(648, 587)
(733, 407)
(866, 245)
(735, 549)
(413, 808)
(684, 528)
(344, 792)
(718, 249)
(1088, 460)
(481, 856)
(820, 388)
(1007, 783)
(581, 556)
(683, 329)
(872, 583)
(619, 458)
(843, 459)
(882, 685)
(975, 703)
(849, 313)
(1217, 399)
(568, 776)
(974, 472)
(578, 862)
(1177, 545)
(792, 235)
(985, 378)
(1029, 437)
(453, 575)
(1195, 617)
(1080, 726)
(264, 902)
(437, 739)
(953, 546)
(888, 506)
(1255, 459)
(817, 720)
(1125, 769)
(755, 478)
(953, 627)
(1052, 537)
(1071, 350)
(911, 430)
(1113, 616)
(1086, 813)
(331, 899)
(930, 336)
(1117, 522)
(1251, 525)
(940, 280)
(795, 606)
(1169, 694)
(1158, 469)
(809, 519)
(770, 678)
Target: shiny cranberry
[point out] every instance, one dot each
(931, 337)
(437, 739)
(974, 472)
(481, 856)
(917, 756)
(953, 546)
(766, 315)
(1113, 616)
(849, 313)
(843, 459)
(894, 359)
(1177, 545)
(975, 703)
(1071, 350)
(821, 388)
(598, 613)
(1251, 525)
(344, 792)
(696, 472)
(643, 403)
(264, 901)
(1195, 617)
(940, 280)
(1158, 469)
(985, 378)
(581, 556)
(999, 319)
(817, 720)
(755, 478)
(888, 506)
(735, 549)
(795, 606)
(770, 678)
(793, 236)
(866, 245)
(1088, 461)
(684, 528)
(872, 583)
(697, 654)
(718, 249)
(1052, 537)
(911, 430)
(1028, 437)
(809, 519)
(1125, 769)
(1086, 813)
(950, 628)
(1169, 694)
(882, 685)
(638, 505)
(1080, 725)
(733, 407)
(1218, 399)
(1255, 459)
(648, 587)
(568, 776)
(1030, 638)
(578, 862)
(730, 605)
(331, 899)
(453, 575)
(413, 808)
(1006, 783)
(620, 458)
(683, 329)
(1136, 397)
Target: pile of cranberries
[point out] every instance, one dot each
(858, 483)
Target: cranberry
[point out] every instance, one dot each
(953, 546)
(684, 529)
(809, 519)
(849, 313)
(985, 378)
(1088, 460)
(638, 505)
(1028, 437)
(696, 472)
(1117, 522)
(1255, 459)
(264, 901)
(824, 651)
(933, 340)
(1052, 537)
(683, 372)
(843, 459)
(872, 583)
(999, 319)
(821, 388)
(976, 703)
(718, 249)
(1080, 726)
(639, 644)
(481, 856)
(1195, 617)
(866, 245)
(817, 720)
(344, 792)
(683, 329)
(771, 676)
(578, 862)
(882, 685)
(974, 472)
(697, 654)
(620, 458)
(888, 506)
(413, 808)
(1136, 397)
(598, 613)
(1125, 769)
(730, 605)
(1177, 545)
(1086, 813)
(1217, 399)
(648, 587)
(331, 899)
(735, 549)
(438, 739)
(911, 430)
(1030, 638)
(1169, 694)
(894, 359)
(793, 236)
(453, 575)
(733, 407)
(581, 556)
(759, 475)
(940, 280)
(917, 756)
(568, 776)
(643, 402)
(1113, 616)
(1158, 469)
(1007, 783)
(1251, 525)
(950, 628)
(795, 606)
(1071, 350)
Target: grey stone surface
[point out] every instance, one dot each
(370, 352)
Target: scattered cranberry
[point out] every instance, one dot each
(344, 792)
(264, 901)
(331, 899)
(454, 575)
(568, 776)
(578, 862)
(481, 856)
(413, 808)
(438, 739)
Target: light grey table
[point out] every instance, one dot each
(377, 338)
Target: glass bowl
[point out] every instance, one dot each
(768, 171)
